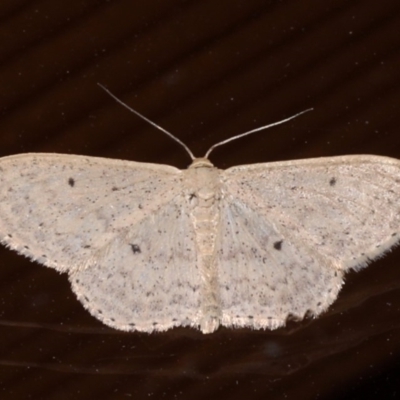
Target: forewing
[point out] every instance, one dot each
(64, 210)
(290, 229)
(345, 208)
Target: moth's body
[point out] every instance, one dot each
(148, 247)
(204, 193)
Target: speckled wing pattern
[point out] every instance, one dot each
(99, 220)
(148, 247)
(290, 230)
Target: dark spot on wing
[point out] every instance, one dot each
(71, 182)
(135, 248)
(278, 245)
(332, 182)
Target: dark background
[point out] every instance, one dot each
(204, 70)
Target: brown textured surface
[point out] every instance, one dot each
(205, 71)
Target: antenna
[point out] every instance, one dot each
(215, 145)
(254, 130)
(150, 122)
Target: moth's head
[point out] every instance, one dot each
(201, 162)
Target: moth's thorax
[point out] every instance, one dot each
(202, 183)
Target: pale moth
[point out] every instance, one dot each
(149, 247)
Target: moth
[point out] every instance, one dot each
(149, 247)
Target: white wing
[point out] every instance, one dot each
(147, 280)
(289, 230)
(120, 229)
